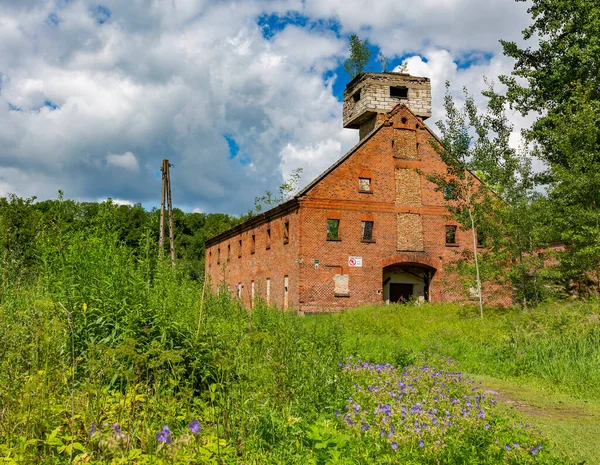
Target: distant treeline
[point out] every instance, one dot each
(22, 220)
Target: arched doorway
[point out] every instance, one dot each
(403, 282)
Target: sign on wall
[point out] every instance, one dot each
(355, 262)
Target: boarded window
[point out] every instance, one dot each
(405, 144)
(408, 187)
(364, 184)
(450, 235)
(286, 232)
(340, 285)
(333, 230)
(410, 232)
(367, 230)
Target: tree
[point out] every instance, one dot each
(475, 147)
(360, 55)
(287, 190)
(559, 80)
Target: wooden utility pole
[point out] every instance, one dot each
(161, 235)
(166, 192)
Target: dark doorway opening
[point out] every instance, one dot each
(400, 292)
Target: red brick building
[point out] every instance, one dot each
(371, 228)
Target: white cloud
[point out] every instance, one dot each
(93, 108)
(126, 161)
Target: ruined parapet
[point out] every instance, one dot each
(372, 94)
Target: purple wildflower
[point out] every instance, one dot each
(364, 427)
(421, 443)
(92, 429)
(116, 429)
(164, 435)
(338, 413)
(194, 426)
(394, 445)
(507, 446)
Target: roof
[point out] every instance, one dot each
(293, 203)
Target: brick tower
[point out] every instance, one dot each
(369, 96)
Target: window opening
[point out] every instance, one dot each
(228, 252)
(218, 256)
(333, 230)
(356, 96)
(399, 92)
(286, 232)
(240, 249)
(480, 239)
(450, 235)
(449, 191)
(364, 184)
(285, 292)
(367, 230)
(253, 244)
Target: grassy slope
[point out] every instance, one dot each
(545, 363)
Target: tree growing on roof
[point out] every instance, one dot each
(360, 55)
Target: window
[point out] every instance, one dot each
(286, 232)
(240, 249)
(356, 96)
(253, 244)
(228, 252)
(480, 239)
(218, 256)
(333, 230)
(367, 231)
(450, 235)
(268, 238)
(210, 258)
(449, 191)
(399, 92)
(364, 185)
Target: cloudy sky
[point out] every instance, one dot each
(235, 93)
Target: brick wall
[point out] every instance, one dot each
(272, 260)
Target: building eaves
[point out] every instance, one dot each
(253, 222)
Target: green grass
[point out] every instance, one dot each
(571, 424)
(544, 362)
(556, 346)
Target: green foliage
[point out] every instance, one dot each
(360, 55)
(557, 80)
(287, 190)
(556, 345)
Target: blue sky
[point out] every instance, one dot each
(237, 93)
